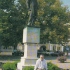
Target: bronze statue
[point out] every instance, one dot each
(32, 10)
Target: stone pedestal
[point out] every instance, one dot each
(31, 37)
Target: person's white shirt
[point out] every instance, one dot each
(41, 64)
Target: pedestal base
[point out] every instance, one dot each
(26, 62)
(30, 56)
(31, 37)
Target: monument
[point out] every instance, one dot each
(32, 11)
(31, 37)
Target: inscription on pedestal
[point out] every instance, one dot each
(31, 35)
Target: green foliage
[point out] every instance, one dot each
(29, 68)
(9, 66)
(52, 66)
(12, 22)
(12, 66)
(62, 59)
(51, 19)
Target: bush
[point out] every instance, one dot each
(50, 67)
(29, 68)
(10, 66)
(62, 59)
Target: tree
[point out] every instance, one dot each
(12, 23)
(51, 19)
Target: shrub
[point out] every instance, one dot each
(52, 66)
(62, 59)
(29, 68)
(10, 66)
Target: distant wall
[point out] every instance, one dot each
(52, 47)
(9, 49)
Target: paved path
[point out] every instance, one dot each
(65, 65)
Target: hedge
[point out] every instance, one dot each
(52, 66)
(49, 64)
(9, 66)
(29, 68)
(13, 66)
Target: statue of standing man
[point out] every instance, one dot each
(32, 10)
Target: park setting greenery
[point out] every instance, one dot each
(12, 66)
(62, 59)
(51, 19)
(9, 66)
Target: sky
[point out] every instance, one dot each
(66, 3)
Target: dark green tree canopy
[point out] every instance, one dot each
(51, 19)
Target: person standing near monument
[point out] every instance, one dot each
(41, 64)
(32, 10)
